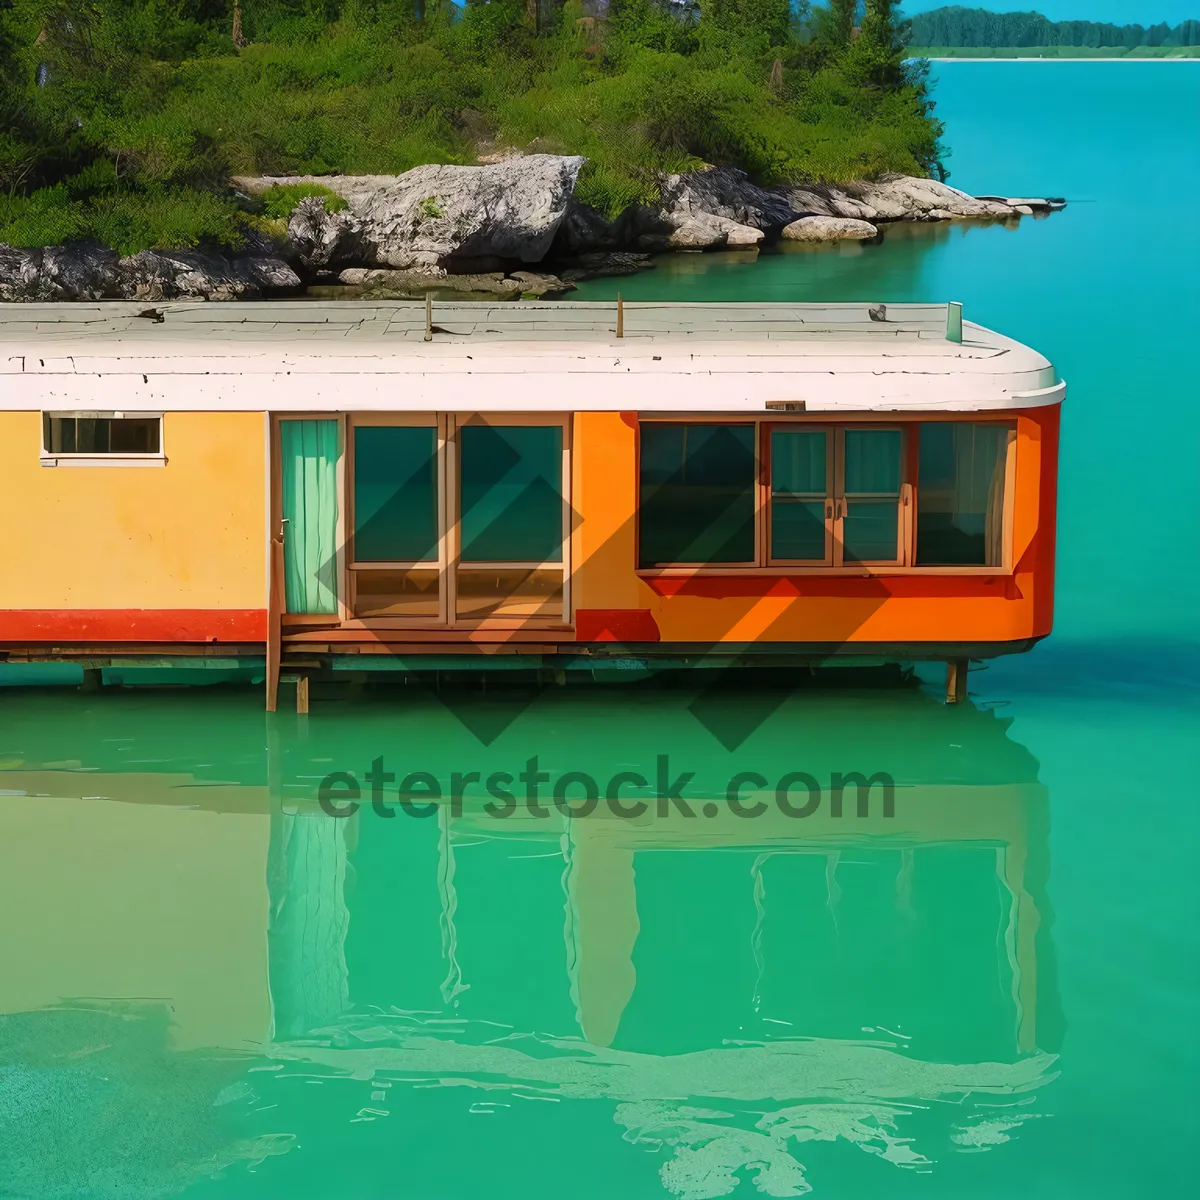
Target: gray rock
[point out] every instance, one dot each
(200, 274)
(90, 273)
(323, 239)
(825, 201)
(599, 265)
(538, 284)
(906, 198)
(386, 284)
(698, 231)
(434, 214)
(708, 209)
(727, 193)
(829, 229)
(1033, 203)
(57, 273)
(586, 230)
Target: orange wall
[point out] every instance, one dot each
(813, 609)
(189, 535)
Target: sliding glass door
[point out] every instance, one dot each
(397, 554)
(512, 528)
(456, 521)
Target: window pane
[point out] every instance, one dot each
(511, 493)
(798, 529)
(960, 494)
(870, 530)
(133, 435)
(399, 593)
(395, 493)
(510, 592)
(696, 501)
(797, 462)
(91, 435)
(873, 462)
(102, 435)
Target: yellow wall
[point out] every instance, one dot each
(187, 535)
(135, 901)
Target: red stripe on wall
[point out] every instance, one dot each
(616, 625)
(134, 625)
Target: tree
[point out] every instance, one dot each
(877, 54)
(771, 19)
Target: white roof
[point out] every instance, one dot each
(507, 357)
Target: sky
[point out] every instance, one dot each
(1119, 12)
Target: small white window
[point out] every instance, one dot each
(102, 439)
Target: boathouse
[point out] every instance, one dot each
(320, 487)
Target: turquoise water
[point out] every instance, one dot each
(209, 987)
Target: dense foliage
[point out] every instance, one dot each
(977, 27)
(123, 121)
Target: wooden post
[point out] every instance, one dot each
(428, 317)
(956, 680)
(620, 317)
(92, 680)
(302, 694)
(275, 606)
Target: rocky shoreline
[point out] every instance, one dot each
(509, 229)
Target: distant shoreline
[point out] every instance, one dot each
(1059, 59)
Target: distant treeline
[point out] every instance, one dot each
(952, 27)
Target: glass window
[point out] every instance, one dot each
(101, 434)
(511, 493)
(960, 494)
(799, 486)
(510, 592)
(873, 472)
(395, 493)
(412, 592)
(696, 494)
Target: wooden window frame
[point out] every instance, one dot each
(449, 533)
(565, 619)
(904, 564)
(1006, 516)
(904, 506)
(419, 420)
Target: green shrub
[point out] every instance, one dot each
(145, 109)
(279, 201)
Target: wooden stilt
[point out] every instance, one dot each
(274, 623)
(302, 694)
(620, 316)
(956, 681)
(92, 680)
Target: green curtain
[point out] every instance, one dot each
(309, 453)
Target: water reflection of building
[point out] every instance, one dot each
(730, 988)
(735, 985)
